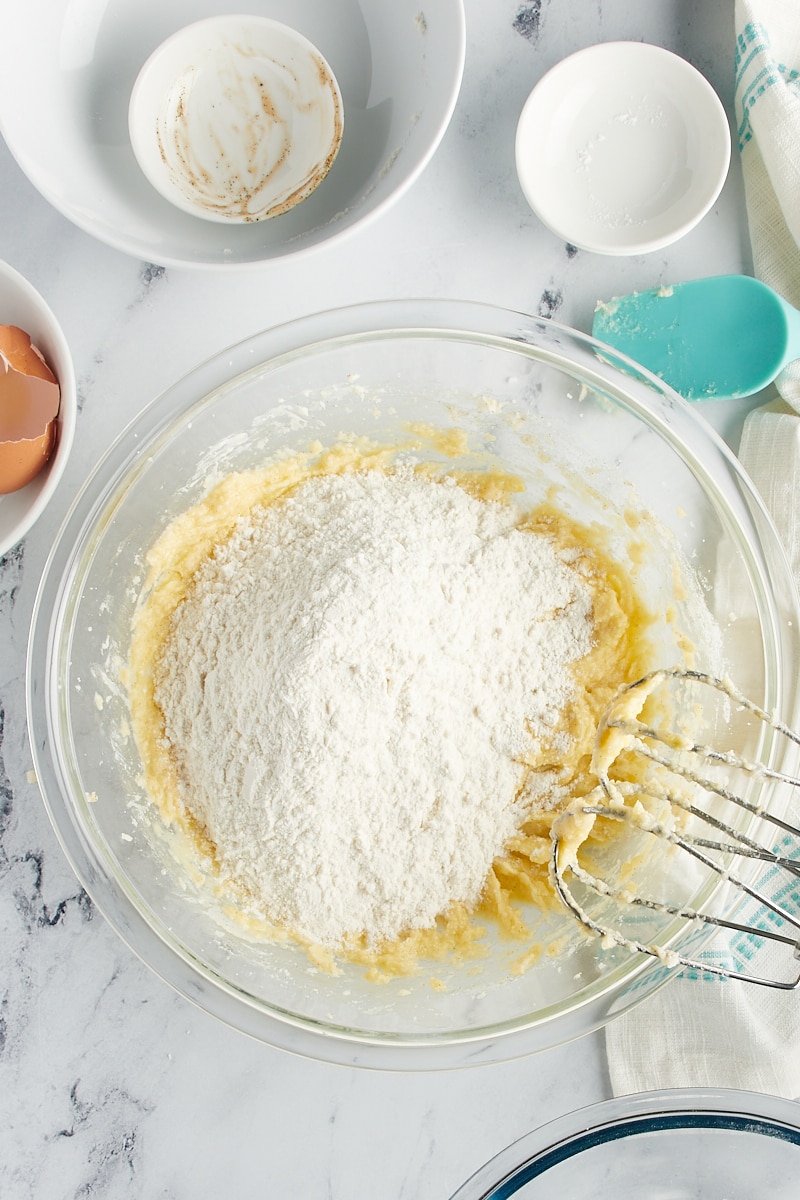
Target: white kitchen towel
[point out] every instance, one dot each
(767, 102)
(699, 1030)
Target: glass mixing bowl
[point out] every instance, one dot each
(540, 399)
(687, 1144)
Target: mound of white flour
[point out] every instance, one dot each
(349, 688)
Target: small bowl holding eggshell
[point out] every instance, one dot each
(38, 405)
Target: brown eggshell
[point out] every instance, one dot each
(20, 351)
(21, 461)
(29, 401)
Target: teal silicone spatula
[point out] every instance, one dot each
(709, 339)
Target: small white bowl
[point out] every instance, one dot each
(21, 305)
(236, 118)
(622, 148)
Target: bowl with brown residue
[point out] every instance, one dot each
(236, 118)
(634, 489)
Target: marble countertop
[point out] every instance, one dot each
(111, 1085)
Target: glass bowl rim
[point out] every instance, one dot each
(666, 1109)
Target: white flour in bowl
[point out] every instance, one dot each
(350, 691)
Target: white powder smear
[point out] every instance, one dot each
(349, 692)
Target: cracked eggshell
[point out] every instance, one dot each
(29, 403)
(236, 118)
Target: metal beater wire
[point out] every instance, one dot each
(663, 748)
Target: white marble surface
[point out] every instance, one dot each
(110, 1084)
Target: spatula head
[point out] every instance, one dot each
(708, 339)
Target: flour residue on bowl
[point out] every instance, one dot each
(368, 685)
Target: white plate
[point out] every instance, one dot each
(69, 67)
(622, 148)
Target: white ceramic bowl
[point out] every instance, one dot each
(236, 118)
(537, 397)
(69, 70)
(622, 148)
(21, 305)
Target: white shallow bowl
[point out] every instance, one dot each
(236, 118)
(21, 305)
(713, 1143)
(622, 148)
(69, 70)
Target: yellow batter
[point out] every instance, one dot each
(621, 653)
